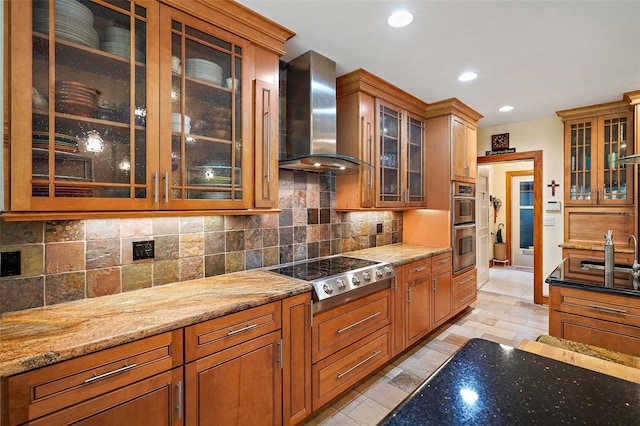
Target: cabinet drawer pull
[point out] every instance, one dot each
(466, 280)
(370, 357)
(441, 261)
(420, 269)
(110, 373)
(240, 330)
(607, 309)
(467, 298)
(342, 330)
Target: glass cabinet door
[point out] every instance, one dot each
(203, 114)
(582, 136)
(390, 176)
(89, 104)
(415, 161)
(615, 135)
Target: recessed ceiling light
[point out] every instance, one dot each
(400, 19)
(468, 76)
(505, 108)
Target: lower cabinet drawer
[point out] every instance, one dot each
(464, 290)
(39, 392)
(340, 371)
(212, 336)
(463, 299)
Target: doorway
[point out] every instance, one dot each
(536, 157)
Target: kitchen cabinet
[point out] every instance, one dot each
(596, 318)
(452, 140)
(441, 281)
(599, 192)
(385, 127)
(138, 382)
(464, 291)
(419, 295)
(349, 342)
(142, 106)
(233, 373)
(296, 358)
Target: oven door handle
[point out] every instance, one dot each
(465, 226)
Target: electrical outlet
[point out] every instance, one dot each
(144, 250)
(9, 263)
(378, 228)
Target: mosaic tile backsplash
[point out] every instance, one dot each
(63, 261)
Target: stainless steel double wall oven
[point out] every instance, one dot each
(464, 226)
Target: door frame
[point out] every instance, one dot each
(509, 205)
(536, 156)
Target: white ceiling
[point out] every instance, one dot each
(539, 56)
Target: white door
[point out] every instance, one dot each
(522, 220)
(482, 225)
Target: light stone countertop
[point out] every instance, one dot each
(38, 337)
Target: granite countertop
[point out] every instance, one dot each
(564, 276)
(486, 383)
(42, 336)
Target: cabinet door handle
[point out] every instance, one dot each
(467, 298)
(435, 284)
(608, 309)
(409, 295)
(281, 354)
(111, 373)
(370, 357)
(166, 187)
(179, 386)
(240, 330)
(156, 186)
(342, 330)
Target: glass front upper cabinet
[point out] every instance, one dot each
(88, 125)
(204, 123)
(595, 175)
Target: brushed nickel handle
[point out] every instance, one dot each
(441, 261)
(370, 357)
(166, 187)
(467, 298)
(466, 280)
(342, 330)
(110, 373)
(156, 188)
(420, 269)
(240, 330)
(435, 284)
(281, 361)
(179, 386)
(608, 309)
(409, 295)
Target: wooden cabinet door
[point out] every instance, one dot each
(441, 306)
(414, 190)
(471, 136)
(241, 385)
(398, 312)
(418, 319)
(390, 170)
(154, 401)
(463, 150)
(266, 144)
(296, 358)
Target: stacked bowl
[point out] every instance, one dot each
(73, 22)
(203, 70)
(118, 42)
(76, 98)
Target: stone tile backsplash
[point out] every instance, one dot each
(63, 261)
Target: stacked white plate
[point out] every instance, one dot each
(118, 42)
(203, 69)
(73, 22)
(176, 122)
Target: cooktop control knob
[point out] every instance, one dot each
(327, 289)
(366, 276)
(341, 284)
(355, 280)
(379, 273)
(387, 270)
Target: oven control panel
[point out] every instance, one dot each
(352, 280)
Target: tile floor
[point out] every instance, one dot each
(502, 318)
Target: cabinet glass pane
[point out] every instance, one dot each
(89, 100)
(615, 146)
(206, 116)
(390, 133)
(415, 159)
(580, 175)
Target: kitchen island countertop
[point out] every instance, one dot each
(486, 383)
(38, 337)
(565, 276)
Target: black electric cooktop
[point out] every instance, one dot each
(324, 267)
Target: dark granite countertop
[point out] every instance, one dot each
(486, 383)
(570, 275)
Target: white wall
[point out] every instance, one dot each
(546, 135)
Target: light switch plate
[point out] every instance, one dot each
(549, 221)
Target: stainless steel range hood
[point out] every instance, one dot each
(311, 118)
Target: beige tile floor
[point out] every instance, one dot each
(502, 318)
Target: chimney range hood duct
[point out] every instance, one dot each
(311, 118)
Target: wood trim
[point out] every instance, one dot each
(455, 107)
(592, 110)
(37, 216)
(508, 205)
(536, 156)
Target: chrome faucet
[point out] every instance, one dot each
(636, 265)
